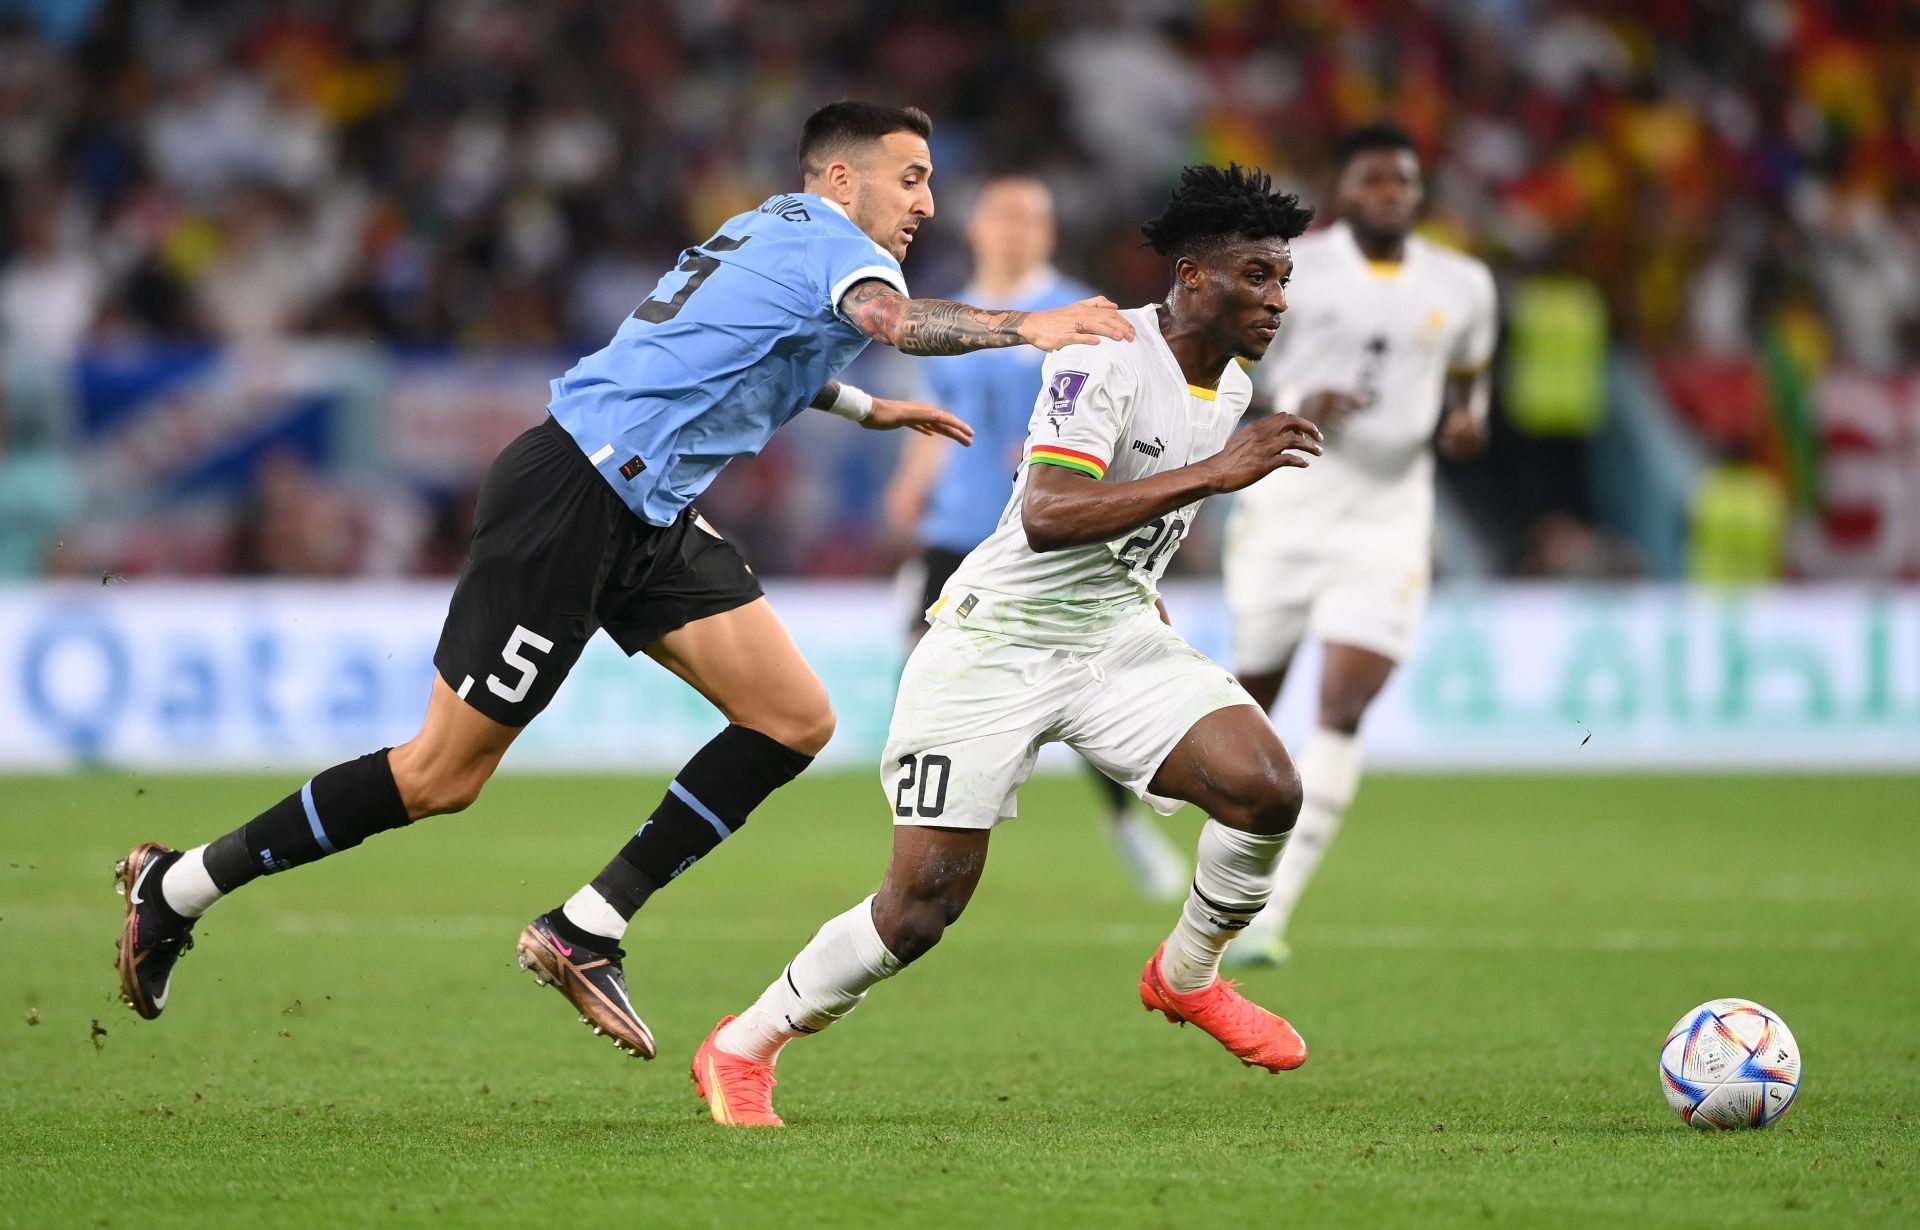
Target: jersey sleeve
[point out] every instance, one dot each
(839, 260)
(1474, 349)
(1083, 409)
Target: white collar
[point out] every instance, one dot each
(1172, 360)
(1384, 268)
(830, 203)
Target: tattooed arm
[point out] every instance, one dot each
(941, 326)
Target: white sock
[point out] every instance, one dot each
(825, 982)
(589, 911)
(1231, 880)
(1329, 776)
(186, 887)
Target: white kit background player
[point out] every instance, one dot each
(1052, 630)
(1388, 335)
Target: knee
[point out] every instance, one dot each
(432, 787)
(1265, 799)
(812, 729)
(804, 728)
(911, 927)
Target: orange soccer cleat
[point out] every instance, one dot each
(738, 1091)
(1258, 1037)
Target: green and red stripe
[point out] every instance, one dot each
(1054, 455)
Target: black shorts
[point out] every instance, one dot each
(555, 557)
(937, 565)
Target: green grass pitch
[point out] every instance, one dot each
(1484, 974)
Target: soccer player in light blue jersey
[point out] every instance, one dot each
(953, 497)
(587, 522)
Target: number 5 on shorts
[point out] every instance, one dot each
(518, 692)
(921, 806)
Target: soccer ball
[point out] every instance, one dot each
(1730, 1064)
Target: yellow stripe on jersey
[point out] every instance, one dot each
(1208, 394)
(1072, 459)
(1385, 269)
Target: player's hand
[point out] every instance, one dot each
(1328, 408)
(927, 420)
(1268, 445)
(1076, 324)
(1462, 435)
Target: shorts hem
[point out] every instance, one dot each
(628, 637)
(915, 822)
(470, 682)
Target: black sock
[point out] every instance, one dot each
(1118, 797)
(337, 810)
(706, 804)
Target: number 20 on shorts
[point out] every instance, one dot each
(929, 774)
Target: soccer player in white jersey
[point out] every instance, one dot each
(1388, 336)
(1052, 629)
(950, 493)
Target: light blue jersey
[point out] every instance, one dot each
(732, 343)
(993, 390)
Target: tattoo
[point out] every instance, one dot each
(828, 394)
(928, 326)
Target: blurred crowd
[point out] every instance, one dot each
(1727, 191)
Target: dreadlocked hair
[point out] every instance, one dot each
(1214, 206)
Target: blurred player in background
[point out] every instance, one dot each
(954, 497)
(1052, 629)
(587, 522)
(1388, 336)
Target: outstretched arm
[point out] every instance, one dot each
(1064, 508)
(941, 326)
(885, 413)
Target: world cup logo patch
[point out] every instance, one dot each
(1063, 391)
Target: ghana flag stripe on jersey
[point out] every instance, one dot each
(1054, 455)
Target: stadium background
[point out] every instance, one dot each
(277, 280)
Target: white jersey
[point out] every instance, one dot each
(1116, 411)
(1390, 334)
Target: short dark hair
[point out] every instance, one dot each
(1213, 206)
(1379, 135)
(835, 128)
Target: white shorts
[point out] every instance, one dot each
(1367, 595)
(974, 710)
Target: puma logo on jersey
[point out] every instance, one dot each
(1158, 447)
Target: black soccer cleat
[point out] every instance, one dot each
(153, 937)
(592, 981)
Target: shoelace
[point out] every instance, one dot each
(1224, 996)
(757, 1094)
(183, 941)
